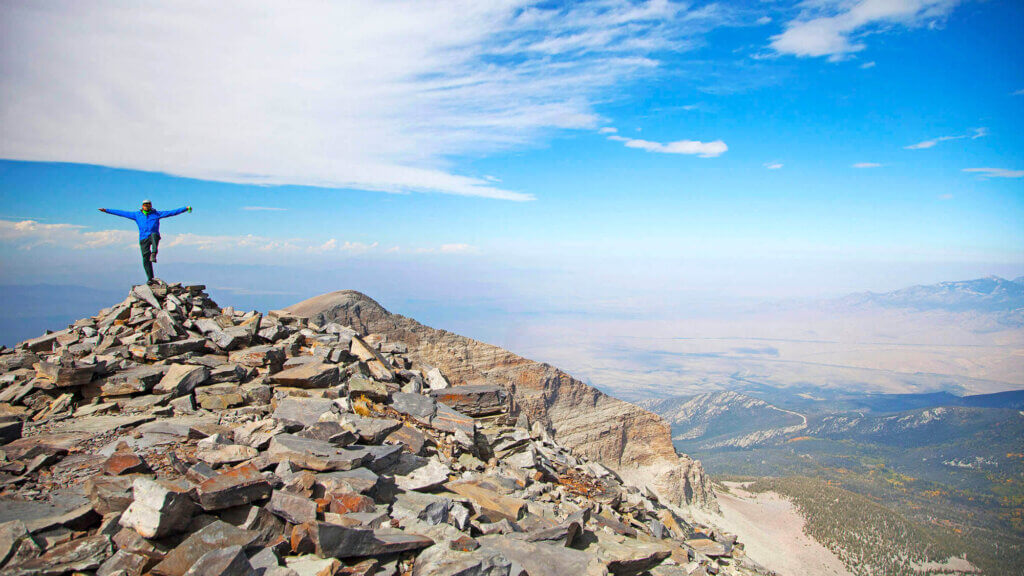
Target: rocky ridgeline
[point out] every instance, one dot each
(169, 436)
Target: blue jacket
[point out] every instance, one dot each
(148, 223)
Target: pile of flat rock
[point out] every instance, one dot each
(169, 436)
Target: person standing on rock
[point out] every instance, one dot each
(148, 221)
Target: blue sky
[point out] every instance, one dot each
(572, 154)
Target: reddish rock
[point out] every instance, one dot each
(345, 503)
(124, 463)
(234, 487)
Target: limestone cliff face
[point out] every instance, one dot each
(634, 442)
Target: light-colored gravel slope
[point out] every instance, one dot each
(772, 531)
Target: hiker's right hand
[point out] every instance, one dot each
(104, 210)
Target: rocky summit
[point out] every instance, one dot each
(172, 437)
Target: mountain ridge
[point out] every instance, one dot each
(634, 441)
(988, 294)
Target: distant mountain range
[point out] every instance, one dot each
(944, 462)
(991, 294)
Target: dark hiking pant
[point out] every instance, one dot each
(149, 247)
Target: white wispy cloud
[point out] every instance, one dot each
(1019, 92)
(773, 165)
(264, 208)
(837, 28)
(867, 165)
(693, 147)
(867, 65)
(608, 130)
(925, 144)
(358, 94)
(449, 249)
(996, 172)
(29, 234)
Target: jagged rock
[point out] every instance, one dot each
(374, 361)
(74, 556)
(371, 389)
(123, 563)
(304, 411)
(360, 480)
(215, 536)
(293, 508)
(219, 454)
(109, 494)
(311, 375)
(541, 559)
(343, 542)
(419, 406)
(167, 349)
(315, 454)
(312, 566)
(43, 343)
(495, 505)
(370, 430)
(181, 379)
(234, 487)
(436, 380)
(475, 400)
(11, 534)
(124, 463)
(64, 376)
(158, 508)
(433, 475)
(133, 381)
(408, 436)
(230, 561)
(256, 356)
(707, 547)
(437, 561)
(628, 557)
(450, 420)
(264, 559)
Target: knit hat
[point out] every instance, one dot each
(146, 201)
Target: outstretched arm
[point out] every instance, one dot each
(174, 212)
(121, 213)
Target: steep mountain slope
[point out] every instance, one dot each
(634, 441)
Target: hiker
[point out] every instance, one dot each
(148, 221)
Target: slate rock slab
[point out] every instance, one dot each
(304, 411)
(235, 487)
(316, 454)
(476, 400)
(214, 536)
(75, 556)
(310, 375)
(336, 541)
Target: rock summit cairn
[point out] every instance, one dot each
(172, 437)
